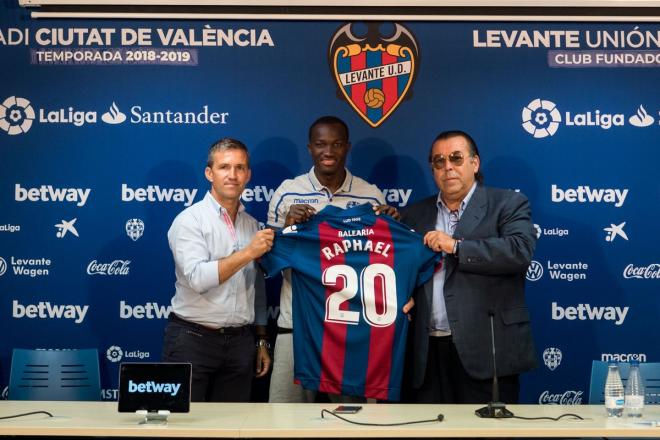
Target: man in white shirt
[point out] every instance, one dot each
(219, 291)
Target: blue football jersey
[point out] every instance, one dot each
(352, 272)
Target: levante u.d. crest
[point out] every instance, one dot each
(374, 73)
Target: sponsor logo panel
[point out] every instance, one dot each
(552, 357)
(50, 193)
(134, 228)
(18, 115)
(156, 193)
(623, 357)
(113, 268)
(586, 194)
(550, 232)
(66, 226)
(8, 227)
(560, 271)
(48, 310)
(27, 267)
(648, 272)
(614, 231)
(149, 310)
(534, 271)
(542, 118)
(587, 312)
(115, 354)
(569, 397)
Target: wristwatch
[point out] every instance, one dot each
(263, 343)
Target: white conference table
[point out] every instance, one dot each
(262, 420)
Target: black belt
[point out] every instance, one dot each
(222, 330)
(284, 331)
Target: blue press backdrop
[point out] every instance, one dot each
(270, 93)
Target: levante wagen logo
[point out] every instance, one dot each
(374, 73)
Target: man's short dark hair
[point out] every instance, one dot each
(328, 120)
(227, 144)
(472, 145)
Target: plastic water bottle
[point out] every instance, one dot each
(613, 392)
(634, 392)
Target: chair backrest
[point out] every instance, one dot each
(650, 372)
(54, 375)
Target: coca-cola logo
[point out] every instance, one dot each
(569, 397)
(117, 267)
(642, 272)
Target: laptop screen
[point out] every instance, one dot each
(154, 387)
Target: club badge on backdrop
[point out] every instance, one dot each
(374, 73)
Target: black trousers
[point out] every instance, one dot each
(223, 364)
(446, 381)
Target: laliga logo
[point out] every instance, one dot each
(552, 357)
(16, 115)
(114, 116)
(541, 118)
(134, 228)
(534, 271)
(114, 353)
(3, 266)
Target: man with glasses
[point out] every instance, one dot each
(487, 238)
(296, 201)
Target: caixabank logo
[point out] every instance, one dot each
(374, 72)
(542, 118)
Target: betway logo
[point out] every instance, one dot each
(397, 196)
(44, 310)
(586, 312)
(153, 387)
(48, 193)
(150, 310)
(623, 357)
(584, 194)
(259, 193)
(569, 397)
(154, 193)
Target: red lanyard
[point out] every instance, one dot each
(230, 226)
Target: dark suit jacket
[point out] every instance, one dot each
(488, 276)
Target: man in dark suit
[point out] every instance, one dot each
(488, 238)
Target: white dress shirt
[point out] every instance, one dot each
(200, 236)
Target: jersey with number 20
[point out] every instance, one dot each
(352, 272)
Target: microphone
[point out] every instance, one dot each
(495, 409)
